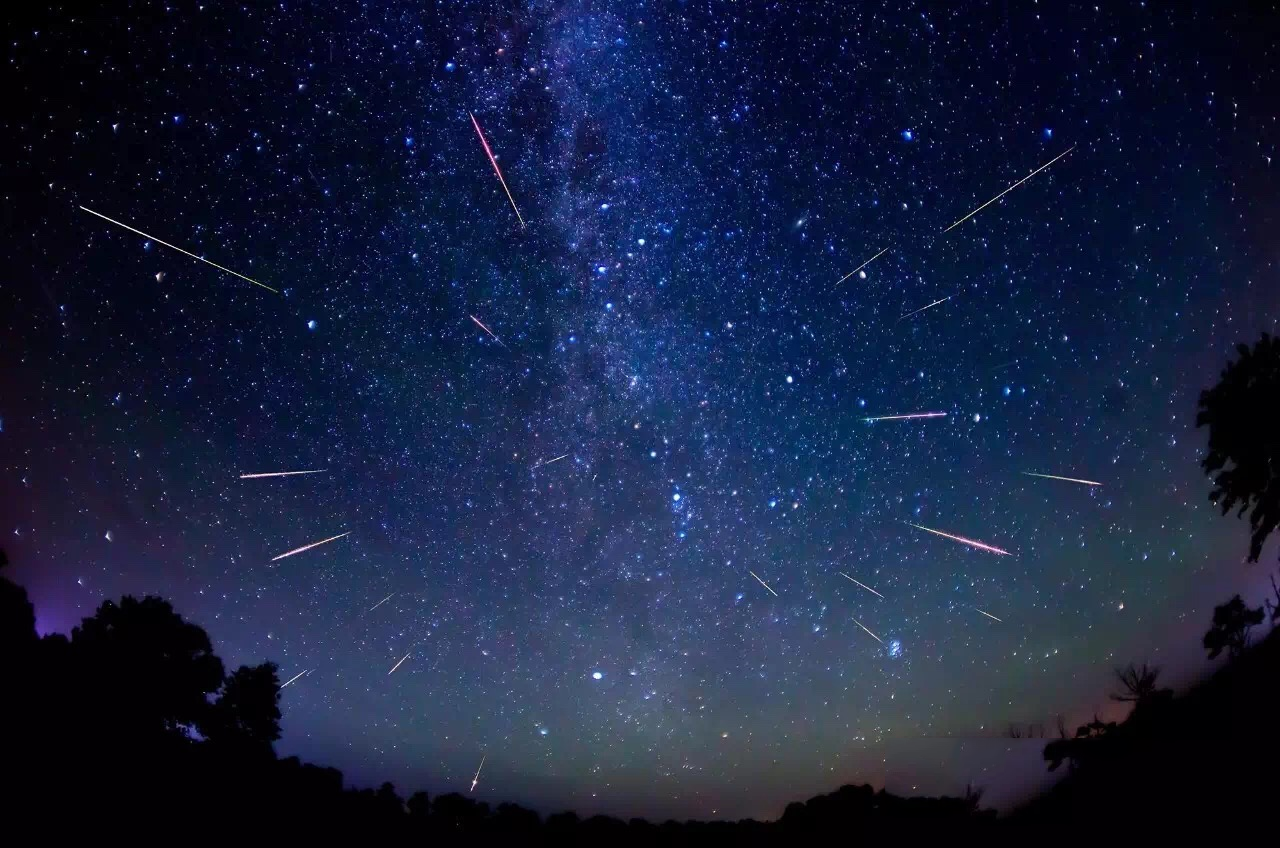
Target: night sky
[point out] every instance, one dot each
(695, 177)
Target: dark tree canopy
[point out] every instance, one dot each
(1242, 413)
(247, 713)
(1232, 622)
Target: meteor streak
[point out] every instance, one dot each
(397, 665)
(989, 615)
(860, 267)
(476, 779)
(549, 461)
(310, 546)
(180, 250)
(930, 306)
(1009, 189)
(381, 602)
(762, 583)
(906, 417)
(1056, 477)
(279, 474)
(863, 585)
(487, 330)
(496, 169)
(961, 539)
(295, 677)
(869, 633)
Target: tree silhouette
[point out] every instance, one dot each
(1242, 413)
(1139, 685)
(1232, 622)
(17, 615)
(246, 715)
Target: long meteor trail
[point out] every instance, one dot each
(381, 602)
(496, 169)
(863, 585)
(989, 615)
(476, 779)
(487, 330)
(180, 250)
(930, 306)
(295, 677)
(860, 267)
(762, 583)
(279, 474)
(973, 543)
(310, 546)
(1009, 189)
(397, 665)
(869, 633)
(549, 461)
(906, 417)
(1056, 477)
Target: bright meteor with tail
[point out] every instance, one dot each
(496, 169)
(1056, 477)
(310, 546)
(906, 417)
(973, 543)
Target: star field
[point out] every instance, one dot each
(555, 531)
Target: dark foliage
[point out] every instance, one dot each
(1232, 622)
(1138, 685)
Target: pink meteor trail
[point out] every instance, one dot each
(961, 539)
(310, 546)
(863, 585)
(496, 169)
(487, 330)
(906, 417)
(260, 475)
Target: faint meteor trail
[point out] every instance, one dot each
(906, 417)
(961, 539)
(487, 330)
(381, 602)
(397, 665)
(279, 474)
(762, 583)
(496, 169)
(860, 267)
(923, 308)
(180, 250)
(295, 677)
(1056, 477)
(863, 585)
(990, 616)
(869, 633)
(476, 779)
(310, 546)
(549, 461)
(1009, 189)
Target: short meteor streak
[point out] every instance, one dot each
(869, 633)
(476, 779)
(381, 602)
(762, 583)
(1056, 477)
(295, 677)
(860, 267)
(549, 461)
(961, 539)
(863, 585)
(1009, 189)
(930, 306)
(180, 250)
(496, 169)
(310, 546)
(279, 474)
(906, 417)
(487, 330)
(990, 616)
(397, 665)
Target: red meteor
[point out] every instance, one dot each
(962, 540)
(496, 169)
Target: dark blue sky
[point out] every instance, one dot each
(696, 178)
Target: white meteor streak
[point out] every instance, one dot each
(279, 474)
(295, 677)
(930, 306)
(476, 779)
(397, 665)
(863, 585)
(549, 461)
(860, 267)
(1056, 477)
(762, 583)
(180, 250)
(496, 169)
(961, 539)
(381, 602)
(310, 546)
(989, 615)
(1009, 189)
(906, 417)
(487, 330)
(869, 633)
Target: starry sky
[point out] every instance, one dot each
(657, 623)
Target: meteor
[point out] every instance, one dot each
(863, 585)
(295, 677)
(869, 633)
(930, 306)
(860, 267)
(180, 250)
(476, 779)
(310, 546)
(496, 169)
(487, 330)
(397, 665)
(962, 540)
(381, 602)
(989, 615)
(762, 583)
(1009, 189)
(1056, 477)
(549, 461)
(279, 474)
(906, 417)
